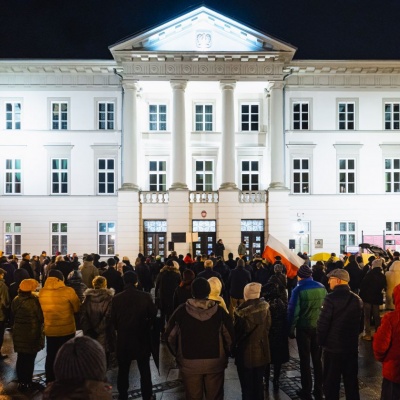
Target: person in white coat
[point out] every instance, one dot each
(392, 280)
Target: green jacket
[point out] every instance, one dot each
(28, 333)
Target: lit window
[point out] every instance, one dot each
(347, 235)
(204, 117)
(301, 175)
(13, 178)
(347, 176)
(59, 176)
(346, 115)
(12, 238)
(106, 113)
(59, 115)
(59, 238)
(392, 175)
(249, 117)
(300, 115)
(204, 176)
(106, 174)
(13, 115)
(250, 175)
(106, 236)
(157, 176)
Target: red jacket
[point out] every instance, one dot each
(386, 342)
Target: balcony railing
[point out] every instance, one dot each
(203, 197)
(154, 197)
(253, 197)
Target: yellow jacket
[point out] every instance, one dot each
(59, 303)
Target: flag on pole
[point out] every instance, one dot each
(290, 260)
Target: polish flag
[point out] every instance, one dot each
(290, 260)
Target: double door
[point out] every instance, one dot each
(155, 243)
(205, 243)
(254, 242)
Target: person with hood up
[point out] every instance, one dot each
(59, 304)
(252, 321)
(28, 337)
(392, 280)
(215, 292)
(80, 372)
(96, 315)
(202, 365)
(184, 291)
(386, 346)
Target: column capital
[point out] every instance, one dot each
(178, 84)
(227, 85)
(130, 85)
(276, 85)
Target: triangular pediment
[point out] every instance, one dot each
(203, 31)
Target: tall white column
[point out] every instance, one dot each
(129, 137)
(228, 135)
(178, 136)
(277, 136)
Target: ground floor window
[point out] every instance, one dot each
(59, 238)
(347, 235)
(106, 238)
(13, 238)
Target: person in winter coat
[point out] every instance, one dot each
(215, 292)
(280, 279)
(278, 340)
(144, 275)
(96, 315)
(168, 280)
(202, 362)
(89, 271)
(74, 281)
(59, 304)
(219, 249)
(386, 346)
(184, 292)
(114, 278)
(338, 328)
(4, 309)
(132, 314)
(319, 275)
(28, 336)
(371, 293)
(252, 321)
(355, 273)
(9, 268)
(80, 372)
(25, 264)
(392, 280)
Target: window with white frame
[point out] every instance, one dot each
(250, 175)
(157, 117)
(13, 115)
(301, 175)
(392, 116)
(59, 176)
(13, 238)
(59, 237)
(346, 115)
(106, 175)
(301, 115)
(59, 115)
(13, 177)
(392, 175)
(204, 175)
(204, 117)
(249, 113)
(106, 238)
(106, 115)
(347, 176)
(158, 176)
(347, 235)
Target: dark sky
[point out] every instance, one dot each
(83, 29)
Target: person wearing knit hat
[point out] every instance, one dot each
(28, 336)
(371, 292)
(215, 292)
(4, 307)
(199, 334)
(303, 311)
(80, 370)
(252, 322)
(95, 319)
(55, 273)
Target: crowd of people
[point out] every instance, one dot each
(204, 309)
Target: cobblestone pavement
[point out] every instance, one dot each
(168, 386)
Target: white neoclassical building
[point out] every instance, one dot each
(199, 129)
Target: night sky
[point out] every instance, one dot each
(83, 29)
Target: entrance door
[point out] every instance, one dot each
(154, 243)
(207, 237)
(253, 234)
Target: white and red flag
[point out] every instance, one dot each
(290, 260)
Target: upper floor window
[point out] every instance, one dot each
(301, 115)
(393, 227)
(347, 176)
(106, 115)
(301, 175)
(157, 117)
(13, 176)
(13, 115)
(204, 117)
(59, 115)
(250, 177)
(59, 176)
(158, 176)
(204, 175)
(392, 115)
(249, 114)
(347, 235)
(59, 238)
(106, 238)
(106, 174)
(392, 175)
(346, 115)
(12, 238)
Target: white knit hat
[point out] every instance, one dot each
(252, 291)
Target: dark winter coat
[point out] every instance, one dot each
(372, 286)
(28, 333)
(339, 323)
(75, 282)
(9, 276)
(355, 276)
(114, 279)
(144, 276)
(238, 279)
(182, 294)
(25, 264)
(319, 275)
(252, 322)
(223, 270)
(167, 281)
(65, 267)
(96, 317)
(219, 249)
(261, 275)
(133, 313)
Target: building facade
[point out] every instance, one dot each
(199, 129)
